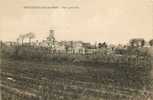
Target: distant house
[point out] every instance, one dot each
(72, 46)
(36, 43)
(59, 47)
(147, 44)
(62, 46)
(10, 43)
(87, 45)
(87, 48)
(43, 43)
(77, 47)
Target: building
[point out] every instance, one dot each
(60, 47)
(43, 43)
(10, 43)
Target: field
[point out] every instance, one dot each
(33, 80)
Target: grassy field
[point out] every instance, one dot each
(32, 80)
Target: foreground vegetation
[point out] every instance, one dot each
(37, 74)
(22, 80)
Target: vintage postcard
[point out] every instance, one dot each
(76, 50)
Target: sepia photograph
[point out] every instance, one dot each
(76, 50)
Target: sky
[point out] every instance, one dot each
(113, 21)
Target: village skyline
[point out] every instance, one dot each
(51, 40)
(42, 37)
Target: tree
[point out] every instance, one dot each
(17, 40)
(102, 45)
(99, 45)
(21, 37)
(30, 36)
(137, 42)
(142, 43)
(151, 42)
(51, 39)
(132, 43)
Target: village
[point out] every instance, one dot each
(78, 47)
(75, 70)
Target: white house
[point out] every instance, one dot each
(59, 47)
